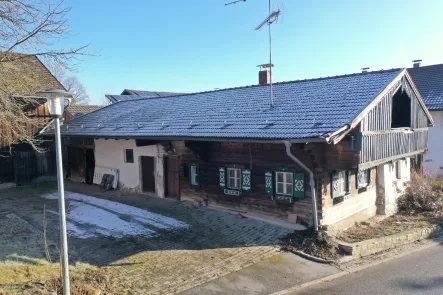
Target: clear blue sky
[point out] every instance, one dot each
(196, 45)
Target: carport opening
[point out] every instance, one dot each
(401, 110)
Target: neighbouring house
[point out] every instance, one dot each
(130, 94)
(76, 110)
(429, 82)
(344, 144)
(24, 76)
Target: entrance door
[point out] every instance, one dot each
(172, 187)
(90, 166)
(148, 174)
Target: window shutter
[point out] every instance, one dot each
(348, 181)
(269, 182)
(335, 185)
(299, 185)
(246, 180)
(222, 175)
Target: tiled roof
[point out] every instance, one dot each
(26, 75)
(429, 81)
(81, 109)
(302, 109)
(129, 94)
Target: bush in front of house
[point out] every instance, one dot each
(422, 195)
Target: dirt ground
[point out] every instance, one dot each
(170, 261)
(386, 227)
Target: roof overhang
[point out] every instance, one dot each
(242, 140)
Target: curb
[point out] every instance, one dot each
(354, 270)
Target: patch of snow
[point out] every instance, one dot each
(91, 217)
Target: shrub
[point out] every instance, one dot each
(422, 195)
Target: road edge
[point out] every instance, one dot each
(353, 270)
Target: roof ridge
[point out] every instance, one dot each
(428, 66)
(276, 83)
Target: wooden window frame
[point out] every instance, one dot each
(285, 183)
(194, 175)
(367, 176)
(126, 156)
(344, 177)
(237, 177)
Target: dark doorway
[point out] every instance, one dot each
(90, 166)
(172, 182)
(401, 110)
(77, 164)
(148, 174)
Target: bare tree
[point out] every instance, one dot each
(29, 28)
(71, 83)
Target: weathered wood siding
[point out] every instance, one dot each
(257, 157)
(380, 118)
(389, 144)
(378, 141)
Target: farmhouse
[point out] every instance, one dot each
(22, 76)
(330, 150)
(429, 82)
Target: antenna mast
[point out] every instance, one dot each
(273, 16)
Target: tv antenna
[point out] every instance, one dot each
(234, 2)
(272, 17)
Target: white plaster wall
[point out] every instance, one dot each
(389, 187)
(363, 203)
(110, 156)
(433, 159)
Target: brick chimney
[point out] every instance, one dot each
(264, 77)
(417, 63)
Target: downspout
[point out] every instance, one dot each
(311, 183)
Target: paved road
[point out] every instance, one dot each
(418, 273)
(266, 277)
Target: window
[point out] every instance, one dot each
(194, 175)
(234, 178)
(129, 156)
(284, 183)
(363, 178)
(340, 184)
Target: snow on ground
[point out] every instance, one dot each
(89, 217)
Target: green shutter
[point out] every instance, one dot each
(222, 175)
(348, 181)
(299, 185)
(246, 180)
(335, 184)
(269, 182)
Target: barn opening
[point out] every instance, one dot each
(401, 110)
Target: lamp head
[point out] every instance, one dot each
(57, 101)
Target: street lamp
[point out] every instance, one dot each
(56, 103)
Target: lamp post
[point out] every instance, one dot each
(56, 104)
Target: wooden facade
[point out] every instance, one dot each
(380, 139)
(258, 158)
(373, 142)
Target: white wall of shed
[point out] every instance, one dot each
(110, 156)
(391, 185)
(433, 159)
